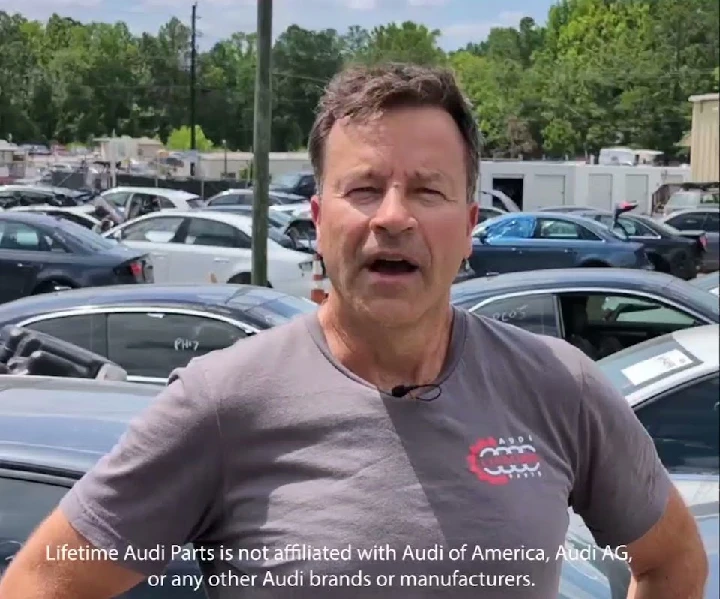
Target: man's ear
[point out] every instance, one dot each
(316, 214)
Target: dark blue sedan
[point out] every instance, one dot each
(531, 241)
(40, 253)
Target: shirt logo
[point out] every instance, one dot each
(498, 461)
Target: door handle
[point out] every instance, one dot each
(221, 260)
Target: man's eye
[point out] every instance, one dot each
(365, 190)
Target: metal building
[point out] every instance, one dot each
(705, 138)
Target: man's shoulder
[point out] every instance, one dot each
(493, 340)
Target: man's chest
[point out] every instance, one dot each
(416, 496)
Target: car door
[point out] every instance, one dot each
(534, 312)
(211, 251)
(556, 243)
(155, 235)
(496, 247)
(684, 426)
(149, 345)
(24, 252)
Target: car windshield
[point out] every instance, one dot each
(286, 181)
(684, 199)
(84, 237)
(645, 364)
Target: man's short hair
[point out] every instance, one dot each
(359, 93)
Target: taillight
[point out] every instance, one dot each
(136, 269)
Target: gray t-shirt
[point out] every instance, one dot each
(277, 460)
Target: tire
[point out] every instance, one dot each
(244, 278)
(594, 264)
(659, 263)
(52, 287)
(681, 266)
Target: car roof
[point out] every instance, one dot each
(238, 220)
(211, 297)
(698, 208)
(630, 278)
(161, 191)
(65, 424)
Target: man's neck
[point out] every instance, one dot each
(388, 356)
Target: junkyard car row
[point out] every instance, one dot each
(149, 278)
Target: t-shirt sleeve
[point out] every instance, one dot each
(160, 484)
(621, 488)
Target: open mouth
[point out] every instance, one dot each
(385, 266)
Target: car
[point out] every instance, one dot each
(38, 195)
(80, 215)
(676, 252)
(598, 310)
(202, 245)
(298, 184)
(524, 241)
(40, 253)
(127, 200)
(671, 382)
(693, 195)
(701, 219)
(295, 232)
(148, 330)
(52, 430)
(709, 282)
(488, 212)
(245, 197)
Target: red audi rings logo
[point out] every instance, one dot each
(498, 464)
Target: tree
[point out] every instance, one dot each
(179, 139)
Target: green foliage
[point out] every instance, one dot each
(600, 72)
(179, 139)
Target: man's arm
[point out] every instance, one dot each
(669, 560)
(159, 486)
(627, 498)
(32, 576)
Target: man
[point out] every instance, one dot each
(388, 423)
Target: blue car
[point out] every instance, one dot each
(531, 241)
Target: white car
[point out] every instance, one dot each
(202, 246)
(169, 198)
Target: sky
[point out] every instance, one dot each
(460, 21)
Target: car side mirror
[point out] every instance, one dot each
(623, 208)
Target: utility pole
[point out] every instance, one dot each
(193, 65)
(261, 143)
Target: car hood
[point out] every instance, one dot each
(597, 576)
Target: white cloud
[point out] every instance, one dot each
(480, 30)
(360, 4)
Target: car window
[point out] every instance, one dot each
(23, 505)
(636, 228)
(231, 199)
(607, 309)
(535, 313)
(154, 344)
(282, 310)
(25, 238)
(511, 228)
(84, 330)
(165, 203)
(684, 426)
(118, 198)
(558, 229)
(712, 222)
(203, 231)
(156, 230)
(683, 199)
(710, 198)
(687, 222)
(84, 237)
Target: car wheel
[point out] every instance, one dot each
(681, 266)
(53, 286)
(659, 263)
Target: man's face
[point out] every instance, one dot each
(393, 222)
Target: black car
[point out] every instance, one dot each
(52, 430)
(676, 252)
(701, 219)
(38, 195)
(149, 330)
(40, 253)
(525, 241)
(601, 311)
(298, 184)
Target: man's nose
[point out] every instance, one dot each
(393, 214)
